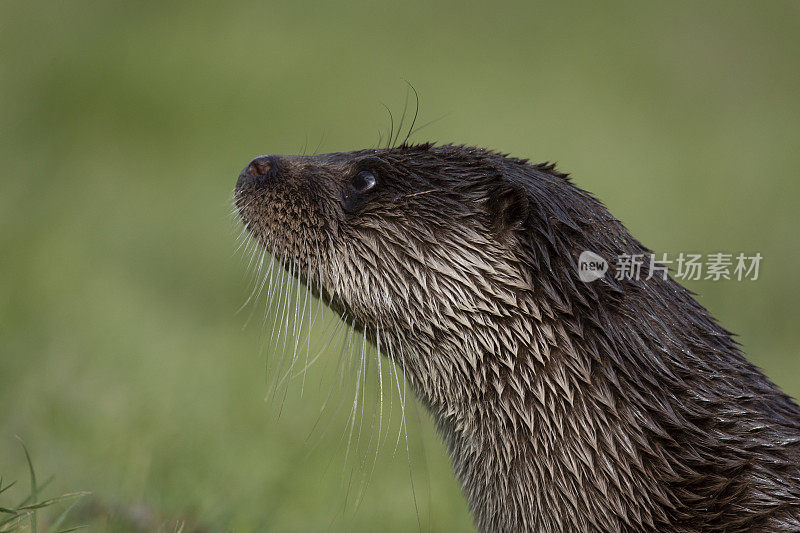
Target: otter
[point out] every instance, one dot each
(615, 405)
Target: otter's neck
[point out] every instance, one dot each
(553, 423)
(532, 450)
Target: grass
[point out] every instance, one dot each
(25, 516)
(123, 126)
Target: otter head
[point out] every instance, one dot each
(404, 242)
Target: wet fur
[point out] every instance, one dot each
(617, 405)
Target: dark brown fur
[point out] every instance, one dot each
(566, 406)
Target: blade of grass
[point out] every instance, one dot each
(34, 488)
(76, 528)
(51, 501)
(9, 525)
(40, 487)
(2, 488)
(62, 517)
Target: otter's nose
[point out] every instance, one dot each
(257, 168)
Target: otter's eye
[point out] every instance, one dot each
(363, 181)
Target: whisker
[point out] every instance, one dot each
(319, 144)
(365, 485)
(344, 355)
(401, 394)
(354, 411)
(390, 356)
(391, 125)
(277, 325)
(296, 327)
(434, 121)
(282, 294)
(361, 425)
(416, 112)
(408, 452)
(267, 281)
(300, 330)
(289, 375)
(414, 194)
(286, 330)
(256, 287)
(319, 284)
(272, 285)
(402, 119)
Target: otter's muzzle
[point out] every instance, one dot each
(258, 169)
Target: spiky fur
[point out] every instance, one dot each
(618, 405)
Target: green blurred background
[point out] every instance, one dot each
(123, 125)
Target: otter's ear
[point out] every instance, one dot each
(507, 208)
